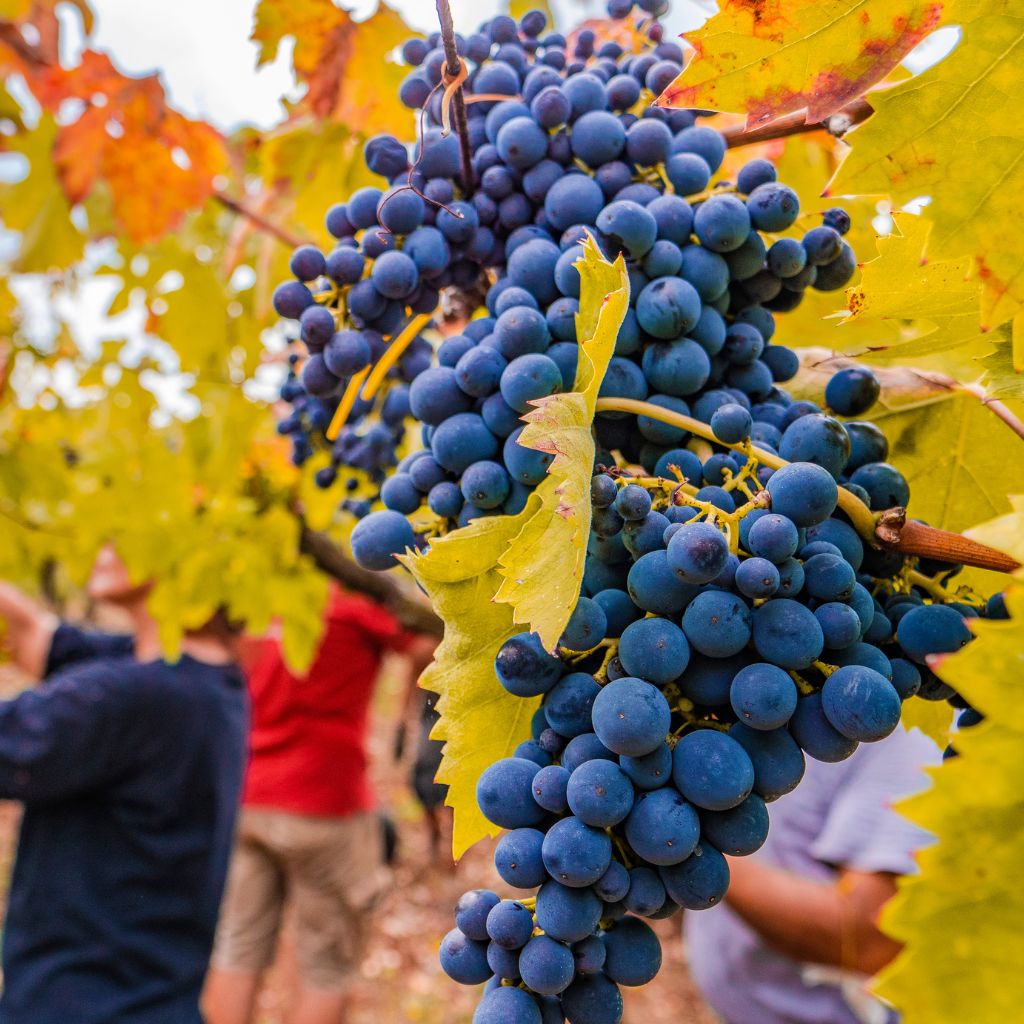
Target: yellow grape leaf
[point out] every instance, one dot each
(543, 567)
(1005, 532)
(1001, 379)
(14, 10)
(480, 721)
(347, 65)
(903, 284)
(932, 717)
(946, 134)
(960, 917)
(38, 207)
(776, 57)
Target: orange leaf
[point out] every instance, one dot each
(157, 164)
(764, 57)
(344, 63)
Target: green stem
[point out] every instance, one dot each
(862, 518)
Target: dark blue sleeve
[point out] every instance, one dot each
(71, 736)
(71, 644)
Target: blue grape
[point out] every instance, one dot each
(739, 831)
(803, 492)
(787, 634)
(517, 856)
(776, 757)
(507, 1005)
(668, 307)
(712, 770)
(471, 912)
(840, 624)
(654, 649)
(757, 578)
(772, 207)
(524, 668)
(852, 391)
(662, 827)
(731, 423)
(586, 627)
(613, 885)
(700, 881)
(546, 966)
(717, 624)
(504, 793)
(619, 610)
(697, 553)
(565, 913)
(592, 999)
(379, 537)
(463, 959)
(461, 440)
(860, 703)
(885, 485)
(649, 771)
(600, 794)
(633, 952)
(763, 696)
(722, 223)
(630, 716)
(815, 733)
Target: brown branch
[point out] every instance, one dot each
(413, 614)
(453, 67)
(796, 124)
(994, 405)
(10, 36)
(897, 533)
(280, 233)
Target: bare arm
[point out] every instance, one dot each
(29, 630)
(821, 922)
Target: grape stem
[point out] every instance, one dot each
(454, 71)
(889, 529)
(278, 232)
(796, 124)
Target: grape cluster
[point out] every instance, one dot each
(576, 150)
(731, 621)
(714, 647)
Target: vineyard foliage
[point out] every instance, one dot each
(153, 431)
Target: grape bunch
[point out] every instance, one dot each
(577, 149)
(714, 647)
(731, 621)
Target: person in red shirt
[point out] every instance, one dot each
(308, 832)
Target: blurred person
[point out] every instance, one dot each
(130, 769)
(309, 833)
(419, 718)
(797, 936)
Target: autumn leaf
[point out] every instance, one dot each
(480, 721)
(347, 65)
(542, 569)
(157, 164)
(948, 133)
(959, 917)
(775, 57)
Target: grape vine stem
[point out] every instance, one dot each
(454, 70)
(889, 529)
(280, 233)
(796, 124)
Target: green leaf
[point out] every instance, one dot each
(481, 721)
(960, 917)
(543, 567)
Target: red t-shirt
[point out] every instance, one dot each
(309, 733)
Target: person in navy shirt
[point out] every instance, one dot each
(130, 769)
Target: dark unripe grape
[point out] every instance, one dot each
(471, 912)
(504, 793)
(463, 959)
(700, 881)
(773, 207)
(860, 703)
(837, 218)
(630, 716)
(932, 629)
(885, 484)
(787, 634)
(852, 391)
(754, 173)
(822, 245)
(379, 537)
(524, 668)
(712, 770)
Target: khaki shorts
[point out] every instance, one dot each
(331, 873)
